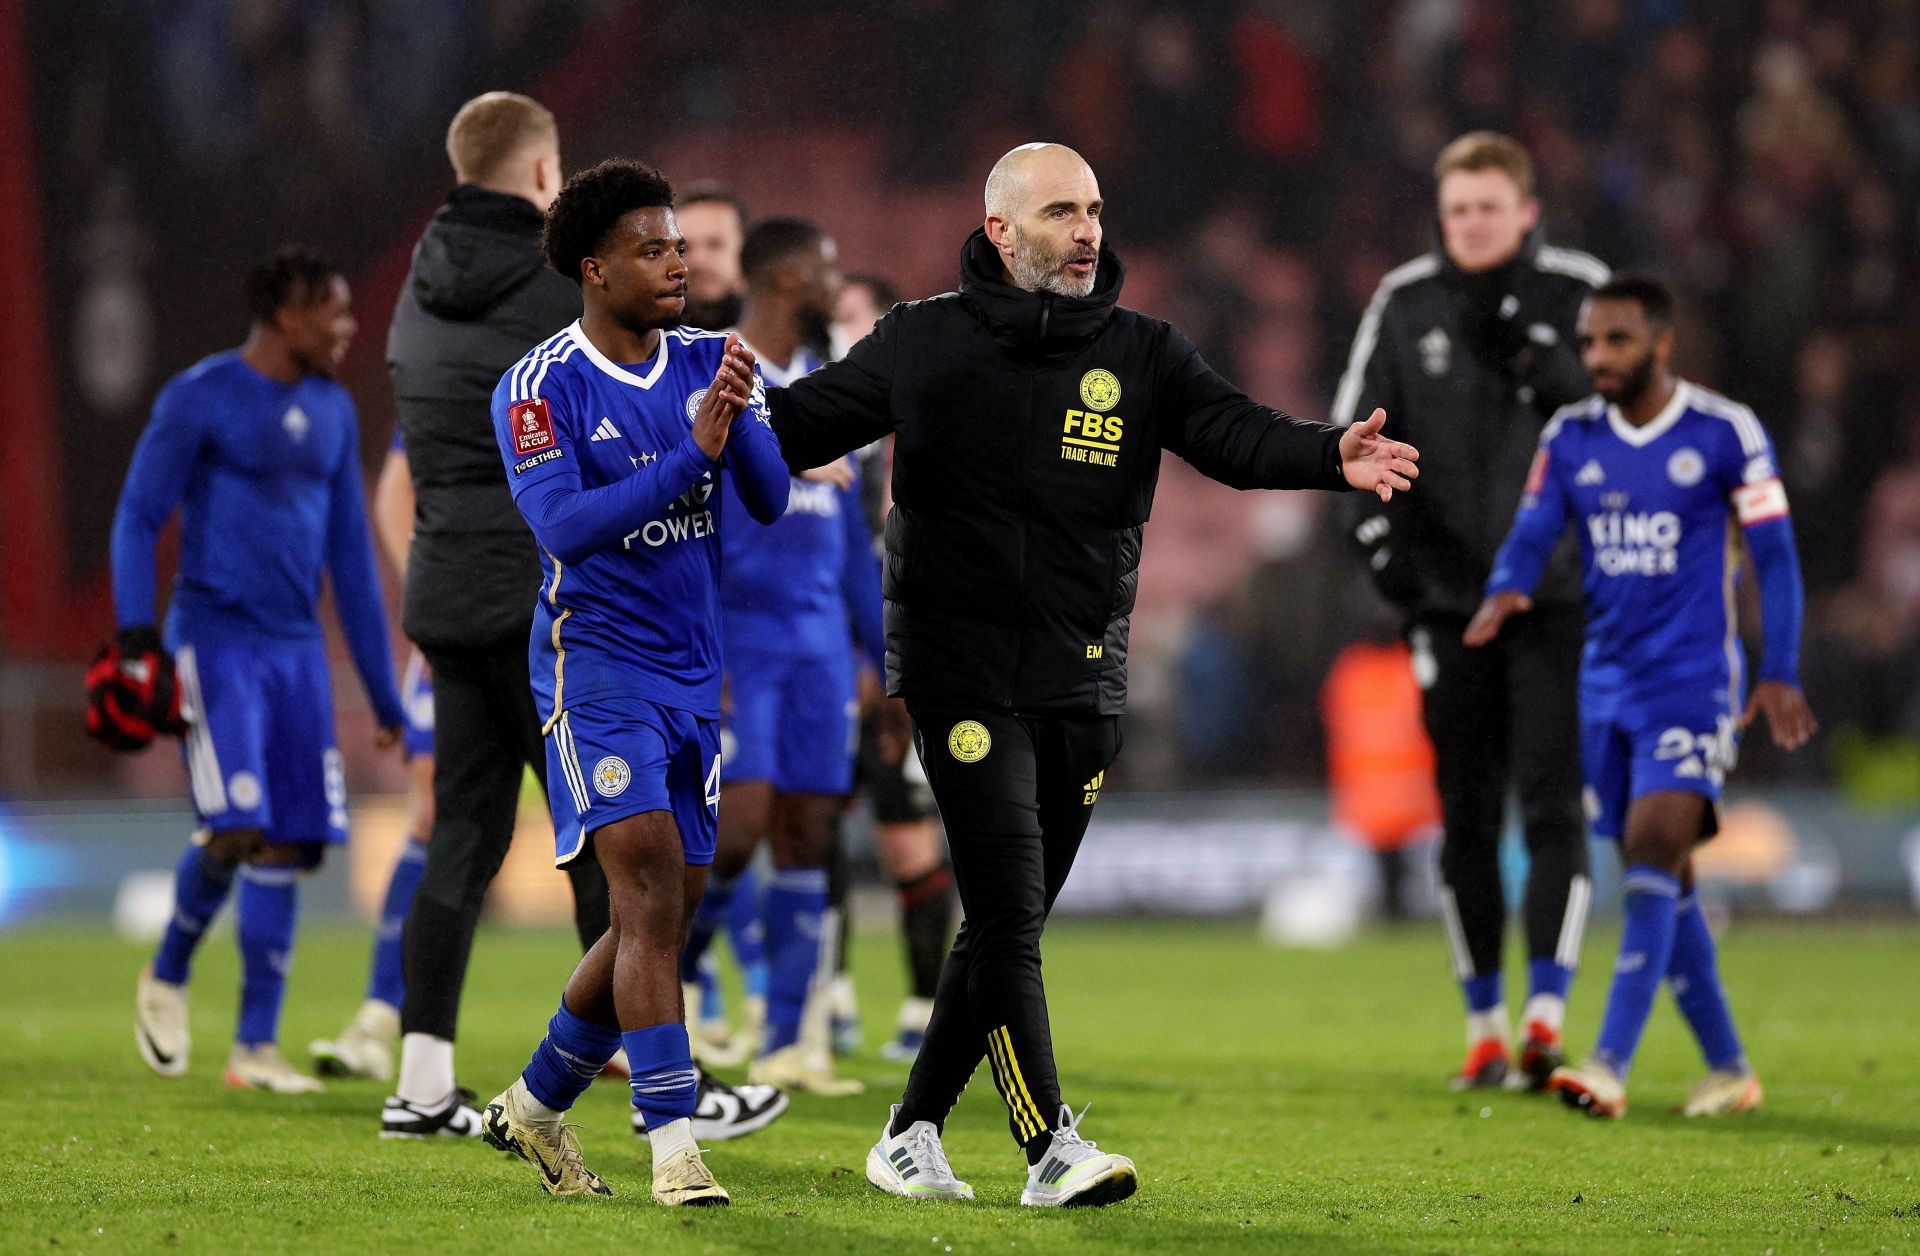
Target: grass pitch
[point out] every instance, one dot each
(1275, 1101)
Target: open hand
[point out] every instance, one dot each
(838, 473)
(1787, 712)
(726, 398)
(1492, 615)
(1370, 461)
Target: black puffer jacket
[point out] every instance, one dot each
(1029, 429)
(1469, 367)
(478, 297)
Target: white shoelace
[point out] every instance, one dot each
(1067, 1141)
(927, 1150)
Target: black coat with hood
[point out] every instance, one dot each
(1028, 433)
(478, 297)
(1469, 368)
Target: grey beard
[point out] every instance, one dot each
(1036, 271)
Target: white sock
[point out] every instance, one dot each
(916, 1014)
(531, 1106)
(1491, 1023)
(1546, 1009)
(670, 1140)
(426, 1069)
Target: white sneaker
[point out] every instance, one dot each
(722, 1112)
(264, 1068)
(685, 1181)
(1075, 1173)
(160, 1024)
(794, 1068)
(913, 1164)
(454, 1118)
(364, 1048)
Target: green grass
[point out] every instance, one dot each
(1274, 1101)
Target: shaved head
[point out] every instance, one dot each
(1043, 216)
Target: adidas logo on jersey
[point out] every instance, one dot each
(606, 431)
(1590, 474)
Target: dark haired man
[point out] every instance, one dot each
(1654, 472)
(259, 448)
(795, 598)
(615, 434)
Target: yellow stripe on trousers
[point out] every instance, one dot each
(1014, 1088)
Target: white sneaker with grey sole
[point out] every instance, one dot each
(912, 1163)
(1076, 1174)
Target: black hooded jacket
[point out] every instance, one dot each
(478, 297)
(1028, 433)
(1469, 368)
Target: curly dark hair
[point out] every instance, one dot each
(591, 203)
(292, 276)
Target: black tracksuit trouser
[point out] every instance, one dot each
(1015, 795)
(1508, 712)
(486, 732)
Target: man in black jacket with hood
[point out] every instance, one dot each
(478, 297)
(1471, 348)
(1029, 411)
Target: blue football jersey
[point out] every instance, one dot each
(788, 585)
(266, 476)
(1655, 509)
(640, 615)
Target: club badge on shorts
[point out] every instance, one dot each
(969, 741)
(610, 776)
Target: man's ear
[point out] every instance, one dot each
(591, 273)
(1000, 233)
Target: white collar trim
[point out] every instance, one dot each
(608, 367)
(1661, 422)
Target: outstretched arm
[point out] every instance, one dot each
(840, 407)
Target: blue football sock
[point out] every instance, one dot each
(568, 1058)
(665, 1085)
(1483, 991)
(795, 909)
(707, 919)
(746, 931)
(1646, 946)
(1694, 973)
(387, 981)
(200, 886)
(1544, 976)
(269, 899)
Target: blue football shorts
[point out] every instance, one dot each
(794, 721)
(1687, 740)
(260, 746)
(610, 758)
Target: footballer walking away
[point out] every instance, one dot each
(1029, 412)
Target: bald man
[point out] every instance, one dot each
(1029, 411)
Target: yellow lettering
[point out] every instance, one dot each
(1110, 430)
(1096, 651)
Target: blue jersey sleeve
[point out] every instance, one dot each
(860, 578)
(356, 582)
(163, 462)
(1759, 502)
(1537, 525)
(753, 459)
(570, 521)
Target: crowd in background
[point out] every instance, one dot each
(1265, 162)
